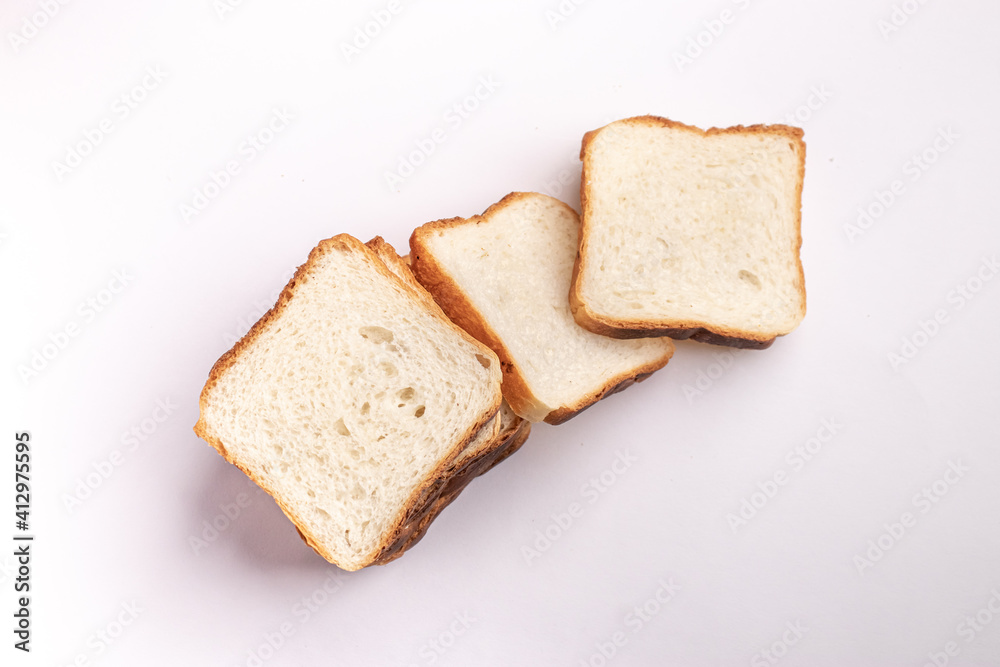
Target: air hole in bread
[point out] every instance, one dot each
(340, 427)
(484, 361)
(388, 368)
(376, 334)
(406, 393)
(750, 278)
(366, 408)
(419, 412)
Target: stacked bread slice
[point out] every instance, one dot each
(350, 401)
(377, 388)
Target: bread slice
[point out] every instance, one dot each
(504, 277)
(348, 400)
(691, 234)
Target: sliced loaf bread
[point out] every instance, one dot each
(691, 234)
(348, 400)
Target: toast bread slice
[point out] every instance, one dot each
(691, 233)
(348, 400)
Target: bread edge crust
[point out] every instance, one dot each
(682, 329)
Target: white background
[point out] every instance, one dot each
(193, 286)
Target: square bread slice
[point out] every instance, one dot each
(691, 234)
(504, 277)
(348, 400)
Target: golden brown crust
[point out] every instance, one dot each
(347, 243)
(679, 329)
(695, 331)
(513, 440)
(564, 414)
(459, 307)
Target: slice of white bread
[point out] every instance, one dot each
(689, 233)
(504, 277)
(348, 400)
